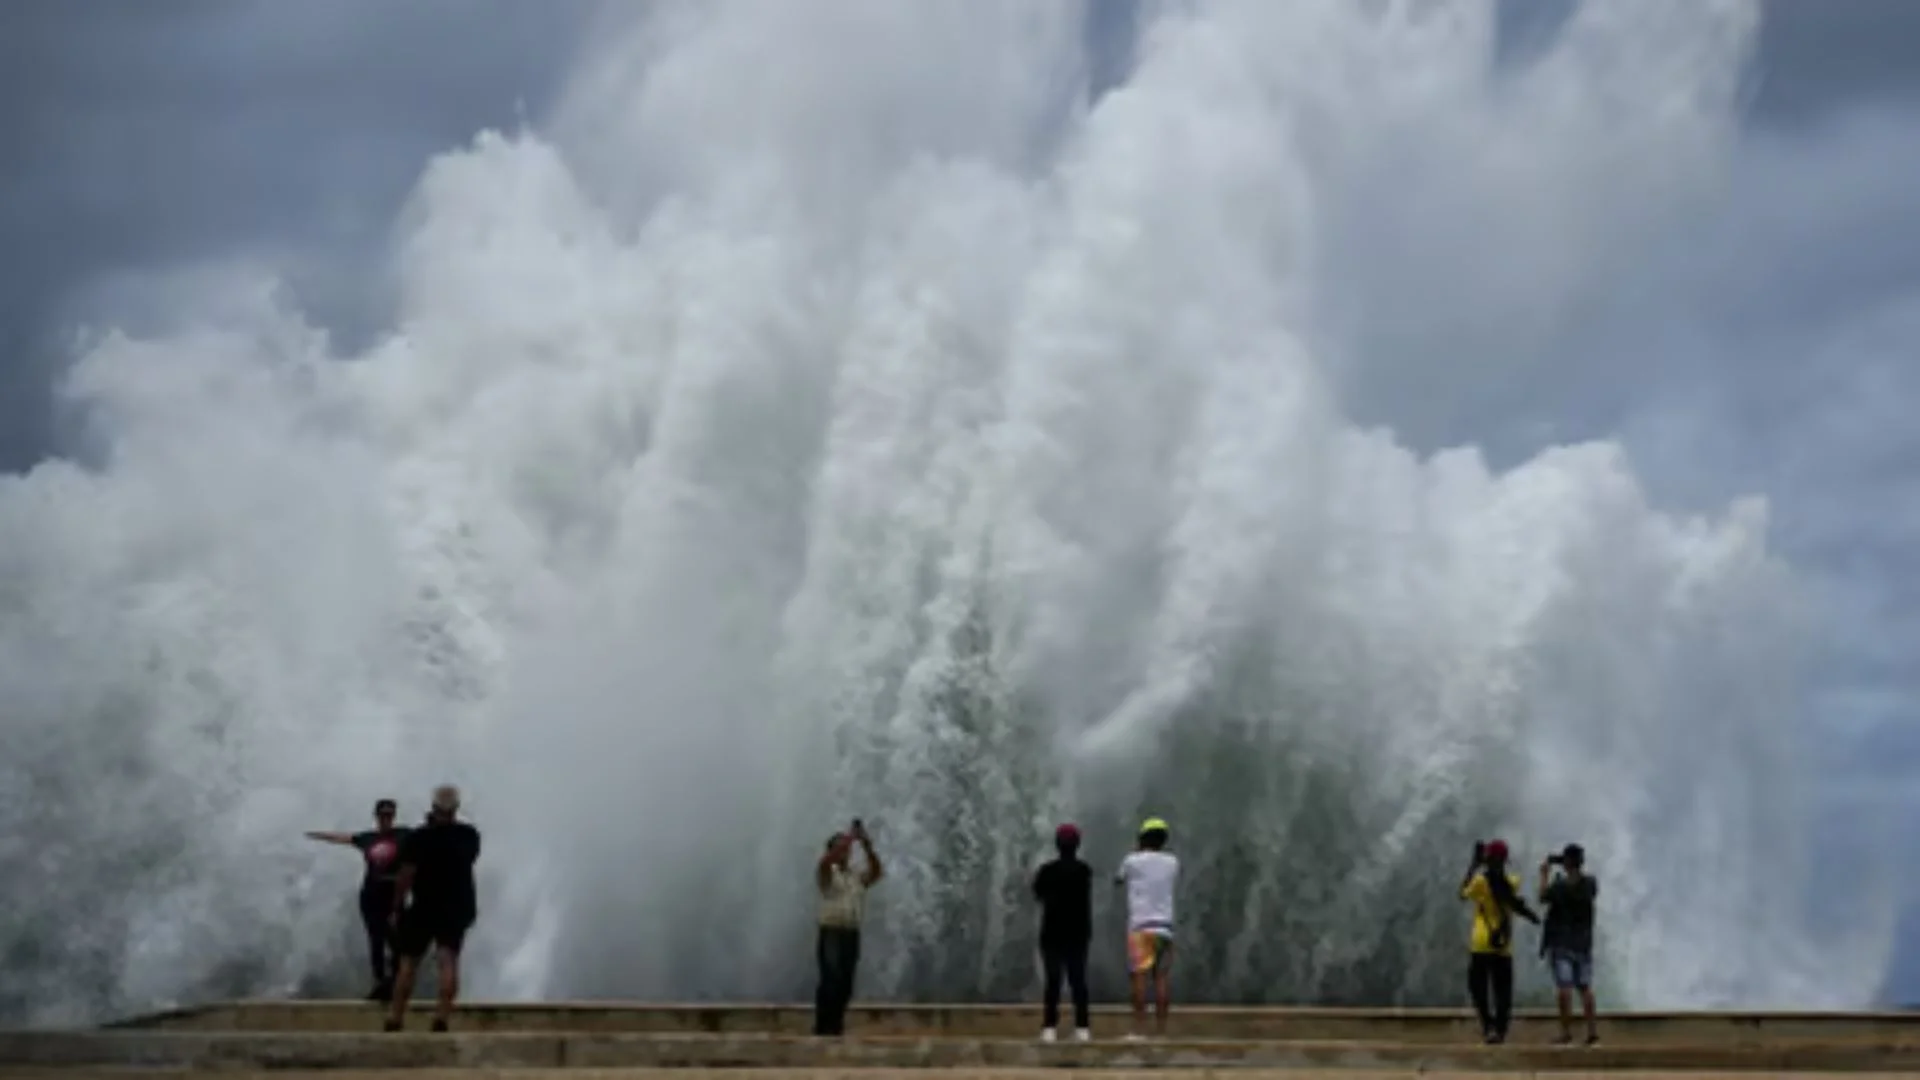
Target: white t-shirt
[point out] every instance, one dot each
(844, 900)
(1149, 877)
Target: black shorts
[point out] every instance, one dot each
(420, 930)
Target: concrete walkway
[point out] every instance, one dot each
(559, 1050)
(1450, 1027)
(905, 1075)
(341, 1041)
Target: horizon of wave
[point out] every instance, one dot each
(960, 457)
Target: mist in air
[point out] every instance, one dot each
(838, 410)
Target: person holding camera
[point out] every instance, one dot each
(1064, 888)
(1567, 938)
(1495, 896)
(843, 896)
(435, 904)
(1150, 874)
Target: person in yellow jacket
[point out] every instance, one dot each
(1494, 893)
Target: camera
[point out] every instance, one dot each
(1556, 860)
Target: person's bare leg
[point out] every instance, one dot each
(1162, 999)
(1565, 997)
(402, 991)
(1586, 1003)
(1139, 1003)
(449, 986)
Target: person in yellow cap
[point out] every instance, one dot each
(1150, 873)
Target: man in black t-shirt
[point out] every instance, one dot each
(436, 875)
(1064, 888)
(379, 848)
(1566, 937)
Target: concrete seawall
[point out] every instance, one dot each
(1246, 1023)
(342, 1040)
(344, 1051)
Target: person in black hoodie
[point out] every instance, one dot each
(1064, 888)
(435, 903)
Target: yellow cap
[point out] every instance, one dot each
(1153, 824)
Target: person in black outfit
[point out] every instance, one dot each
(1064, 888)
(380, 849)
(436, 874)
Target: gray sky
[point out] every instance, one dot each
(144, 135)
(147, 135)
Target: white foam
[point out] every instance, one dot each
(829, 414)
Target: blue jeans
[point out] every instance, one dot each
(1571, 970)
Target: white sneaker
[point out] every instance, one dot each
(1082, 1035)
(1046, 1035)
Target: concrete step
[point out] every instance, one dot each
(124, 1049)
(1022, 1021)
(964, 1073)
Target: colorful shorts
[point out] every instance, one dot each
(1148, 950)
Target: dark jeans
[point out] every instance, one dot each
(1069, 958)
(1490, 981)
(838, 952)
(376, 906)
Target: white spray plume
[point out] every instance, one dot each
(832, 412)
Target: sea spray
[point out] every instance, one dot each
(840, 410)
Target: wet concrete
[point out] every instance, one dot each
(534, 1050)
(879, 1074)
(1437, 1026)
(580, 1041)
